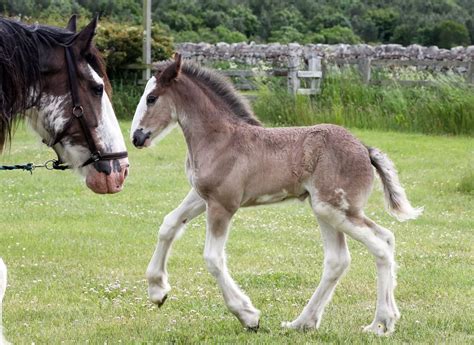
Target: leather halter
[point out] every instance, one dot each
(78, 112)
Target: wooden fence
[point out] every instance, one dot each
(315, 67)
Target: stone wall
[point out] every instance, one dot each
(279, 53)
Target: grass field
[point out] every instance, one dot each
(77, 260)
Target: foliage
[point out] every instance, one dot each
(121, 44)
(449, 34)
(446, 107)
(336, 34)
(286, 34)
(77, 260)
(219, 34)
(395, 21)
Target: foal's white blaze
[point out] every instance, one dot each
(142, 107)
(108, 130)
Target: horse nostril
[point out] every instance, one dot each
(103, 167)
(139, 137)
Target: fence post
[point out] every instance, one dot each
(314, 64)
(470, 73)
(364, 69)
(293, 81)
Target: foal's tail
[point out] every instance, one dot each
(396, 200)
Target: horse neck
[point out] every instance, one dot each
(202, 118)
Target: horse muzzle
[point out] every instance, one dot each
(107, 177)
(141, 138)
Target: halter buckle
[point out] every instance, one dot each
(78, 111)
(95, 156)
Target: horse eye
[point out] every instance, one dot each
(151, 99)
(98, 90)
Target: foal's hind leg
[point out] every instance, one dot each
(336, 261)
(156, 273)
(381, 243)
(218, 219)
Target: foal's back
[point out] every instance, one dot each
(281, 163)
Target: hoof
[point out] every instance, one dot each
(160, 303)
(378, 328)
(158, 294)
(254, 329)
(306, 326)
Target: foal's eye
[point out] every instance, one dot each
(98, 90)
(151, 99)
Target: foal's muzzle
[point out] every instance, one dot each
(140, 137)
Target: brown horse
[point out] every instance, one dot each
(233, 162)
(56, 78)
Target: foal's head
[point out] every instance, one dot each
(156, 113)
(182, 92)
(47, 82)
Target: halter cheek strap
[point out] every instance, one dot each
(78, 113)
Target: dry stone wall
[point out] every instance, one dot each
(279, 53)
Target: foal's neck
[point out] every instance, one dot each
(204, 119)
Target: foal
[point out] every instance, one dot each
(233, 162)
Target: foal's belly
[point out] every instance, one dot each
(265, 199)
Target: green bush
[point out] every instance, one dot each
(286, 34)
(219, 34)
(448, 34)
(339, 34)
(121, 44)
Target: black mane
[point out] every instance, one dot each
(222, 87)
(20, 75)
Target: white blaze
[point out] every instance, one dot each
(108, 129)
(142, 107)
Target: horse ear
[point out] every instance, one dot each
(71, 25)
(177, 61)
(84, 38)
(172, 71)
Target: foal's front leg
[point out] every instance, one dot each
(218, 219)
(156, 273)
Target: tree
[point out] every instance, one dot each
(286, 34)
(335, 35)
(449, 33)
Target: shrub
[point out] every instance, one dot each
(121, 44)
(219, 34)
(334, 35)
(286, 34)
(448, 34)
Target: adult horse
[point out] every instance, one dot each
(60, 76)
(56, 79)
(234, 162)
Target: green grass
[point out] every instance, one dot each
(77, 260)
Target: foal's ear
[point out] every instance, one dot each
(172, 71)
(83, 41)
(71, 25)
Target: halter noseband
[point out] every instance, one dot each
(78, 112)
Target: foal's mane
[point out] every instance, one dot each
(222, 87)
(20, 74)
